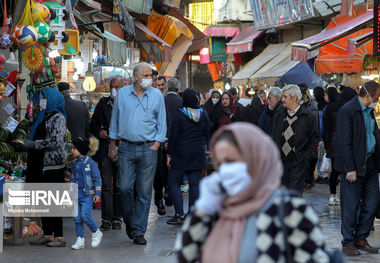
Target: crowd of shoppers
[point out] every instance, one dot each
(153, 135)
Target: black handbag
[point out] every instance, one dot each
(335, 256)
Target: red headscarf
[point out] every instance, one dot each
(226, 119)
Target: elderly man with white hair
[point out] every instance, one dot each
(274, 104)
(296, 134)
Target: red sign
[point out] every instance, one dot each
(376, 28)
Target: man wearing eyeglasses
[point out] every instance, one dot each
(139, 120)
(358, 159)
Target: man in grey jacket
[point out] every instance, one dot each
(78, 118)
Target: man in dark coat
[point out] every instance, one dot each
(254, 111)
(358, 159)
(311, 106)
(78, 117)
(172, 102)
(296, 135)
(100, 123)
(274, 104)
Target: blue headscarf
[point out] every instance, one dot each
(55, 103)
(190, 99)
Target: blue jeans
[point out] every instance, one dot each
(84, 216)
(359, 201)
(137, 166)
(175, 181)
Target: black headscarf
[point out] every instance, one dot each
(332, 93)
(190, 99)
(319, 94)
(347, 95)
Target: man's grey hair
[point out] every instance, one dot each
(276, 91)
(293, 90)
(138, 68)
(173, 85)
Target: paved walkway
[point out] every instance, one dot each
(116, 247)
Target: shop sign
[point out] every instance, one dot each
(274, 13)
(376, 28)
(139, 6)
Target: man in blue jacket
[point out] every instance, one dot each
(358, 159)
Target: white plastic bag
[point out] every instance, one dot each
(326, 165)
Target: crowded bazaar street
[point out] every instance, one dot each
(116, 248)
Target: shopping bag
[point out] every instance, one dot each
(326, 165)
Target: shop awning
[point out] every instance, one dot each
(275, 68)
(147, 31)
(109, 36)
(301, 73)
(357, 42)
(243, 76)
(222, 31)
(157, 53)
(243, 41)
(301, 48)
(200, 40)
(175, 33)
(338, 56)
(115, 48)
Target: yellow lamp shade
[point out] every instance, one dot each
(89, 83)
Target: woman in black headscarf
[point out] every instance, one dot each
(186, 152)
(329, 138)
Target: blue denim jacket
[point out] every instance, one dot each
(92, 182)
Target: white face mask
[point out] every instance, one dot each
(43, 104)
(234, 177)
(214, 101)
(373, 105)
(145, 83)
(113, 93)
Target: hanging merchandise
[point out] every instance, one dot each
(33, 59)
(41, 13)
(5, 38)
(57, 25)
(16, 33)
(34, 13)
(5, 41)
(43, 31)
(28, 36)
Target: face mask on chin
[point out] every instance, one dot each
(145, 83)
(373, 105)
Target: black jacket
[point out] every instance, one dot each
(306, 130)
(351, 146)
(101, 121)
(253, 112)
(172, 103)
(188, 142)
(78, 118)
(329, 128)
(266, 118)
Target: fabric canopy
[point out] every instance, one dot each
(338, 56)
(333, 33)
(275, 68)
(174, 32)
(146, 30)
(221, 31)
(242, 77)
(243, 41)
(200, 40)
(156, 53)
(302, 73)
